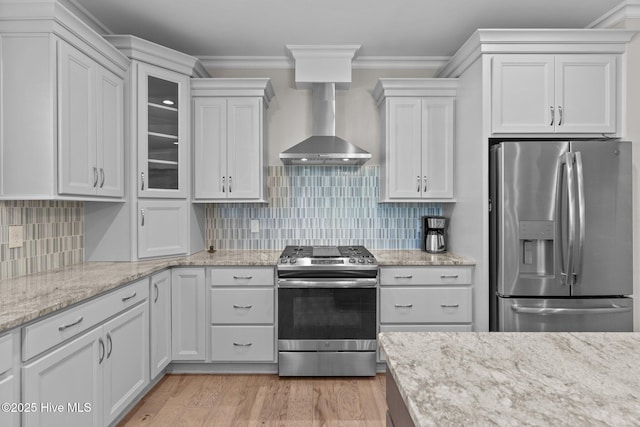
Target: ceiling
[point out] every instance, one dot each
(416, 28)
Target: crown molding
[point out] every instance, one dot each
(539, 40)
(86, 16)
(252, 87)
(625, 10)
(361, 62)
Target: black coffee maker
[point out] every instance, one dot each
(433, 234)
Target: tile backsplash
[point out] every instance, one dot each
(311, 205)
(53, 236)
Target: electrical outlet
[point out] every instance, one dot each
(16, 236)
(255, 226)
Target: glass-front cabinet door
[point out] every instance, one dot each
(162, 132)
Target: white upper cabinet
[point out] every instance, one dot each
(91, 115)
(229, 132)
(62, 107)
(417, 116)
(540, 93)
(162, 132)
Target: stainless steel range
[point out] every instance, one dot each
(327, 299)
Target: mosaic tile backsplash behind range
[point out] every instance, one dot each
(325, 205)
(53, 236)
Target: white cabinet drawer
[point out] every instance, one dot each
(6, 353)
(425, 305)
(233, 306)
(50, 332)
(243, 276)
(405, 276)
(242, 343)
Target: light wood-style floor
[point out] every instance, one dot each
(262, 400)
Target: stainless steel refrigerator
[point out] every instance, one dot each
(561, 236)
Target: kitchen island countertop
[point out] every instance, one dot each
(26, 298)
(532, 379)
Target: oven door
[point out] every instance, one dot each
(326, 318)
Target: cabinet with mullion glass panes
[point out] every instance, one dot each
(163, 134)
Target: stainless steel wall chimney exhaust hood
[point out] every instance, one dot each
(321, 68)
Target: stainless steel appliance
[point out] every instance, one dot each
(327, 300)
(433, 234)
(561, 236)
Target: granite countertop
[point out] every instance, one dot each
(26, 298)
(418, 257)
(532, 379)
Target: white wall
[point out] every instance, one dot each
(289, 114)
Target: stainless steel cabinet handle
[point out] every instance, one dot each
(418, 179)
(237, 344)
(142, 178)
(223, 184)
(243, 277)
(561, 115)
(101, 177)
(155, 286)
(424, 181)
(95, 176)
(553, 115)
(408, 276)
(109, 345)
(101, 351)
(403, 305)
(63, 327)
(246, 307)
(142, 214)
(449, 305)
(448, 276)
(129, 297)
(229, 184)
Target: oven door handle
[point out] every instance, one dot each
(327, 283)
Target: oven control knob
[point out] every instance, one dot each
(352, 260)
(361, 260)
(293, 261)
(370, 261)
(283, 261)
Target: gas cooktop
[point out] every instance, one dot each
(339, 257)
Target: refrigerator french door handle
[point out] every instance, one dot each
(581, 216)
(567, 269)
(613, 308)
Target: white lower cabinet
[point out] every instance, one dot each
(70, 375)
(242, 314)
(126, 363)
(160, 324)
(188, 314)
(242, 343)
(425, 298)
(9, 379)
(91, 379)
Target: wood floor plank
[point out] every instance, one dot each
(261, 401)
